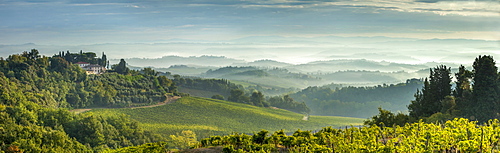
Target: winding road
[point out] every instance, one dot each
(169, 100)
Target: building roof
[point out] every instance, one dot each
(93, 65)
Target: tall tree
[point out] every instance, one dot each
(440, 87)
(463, 91)
(485, 88)
(428, 100)
(121, 67)
(417, 107)
(104, 60)
(463, 77)
(238, 95)
(257, 99)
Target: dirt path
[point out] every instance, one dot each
(169, 100)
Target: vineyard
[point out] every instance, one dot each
(209, 117)
(459, 135)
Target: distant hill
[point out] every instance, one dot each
(356, 72)
(358, 101)
(186, 70)
(167, 61)
(264, 63)
(215, 117)
(283, 78)
(275, 77)
(358, 64)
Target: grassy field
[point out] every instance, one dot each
(214, 117)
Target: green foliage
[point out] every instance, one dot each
(121, 67)
(35, 90)
(183, 140)
(288, 103)
(357, 101)
(88, 57)
(258, 99)
(219, 86)
(235, 93)
(480, 102)
(238, 95)
(103, 61)
(20, 130)
(219, 97)
(387, 118)
(458, 135)
(208, 117)
(158, 147)
(55, 82)
(428, 100)
(486, 89)
(33, 128)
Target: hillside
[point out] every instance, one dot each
(208, 117)
(358, 101)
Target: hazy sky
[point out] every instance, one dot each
(86, 23)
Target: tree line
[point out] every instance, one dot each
(88, 57)
(237, 93)
(475, 95)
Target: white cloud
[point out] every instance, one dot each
(462, 8)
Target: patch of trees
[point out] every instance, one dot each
(88, 57)
(221, 86)
(288, 103)
(475, 96)
(258, 99)
(357, 101)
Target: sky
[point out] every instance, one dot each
(294, 31)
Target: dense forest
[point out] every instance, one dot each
(357, 101)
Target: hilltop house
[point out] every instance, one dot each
(91, 68)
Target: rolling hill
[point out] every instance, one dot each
(208, 117)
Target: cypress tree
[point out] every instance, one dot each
(485, 89)
(122, 67)
(104, 60)
(440, 87)
(462, 92)
(428, 100)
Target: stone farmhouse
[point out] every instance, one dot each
(91, 68)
